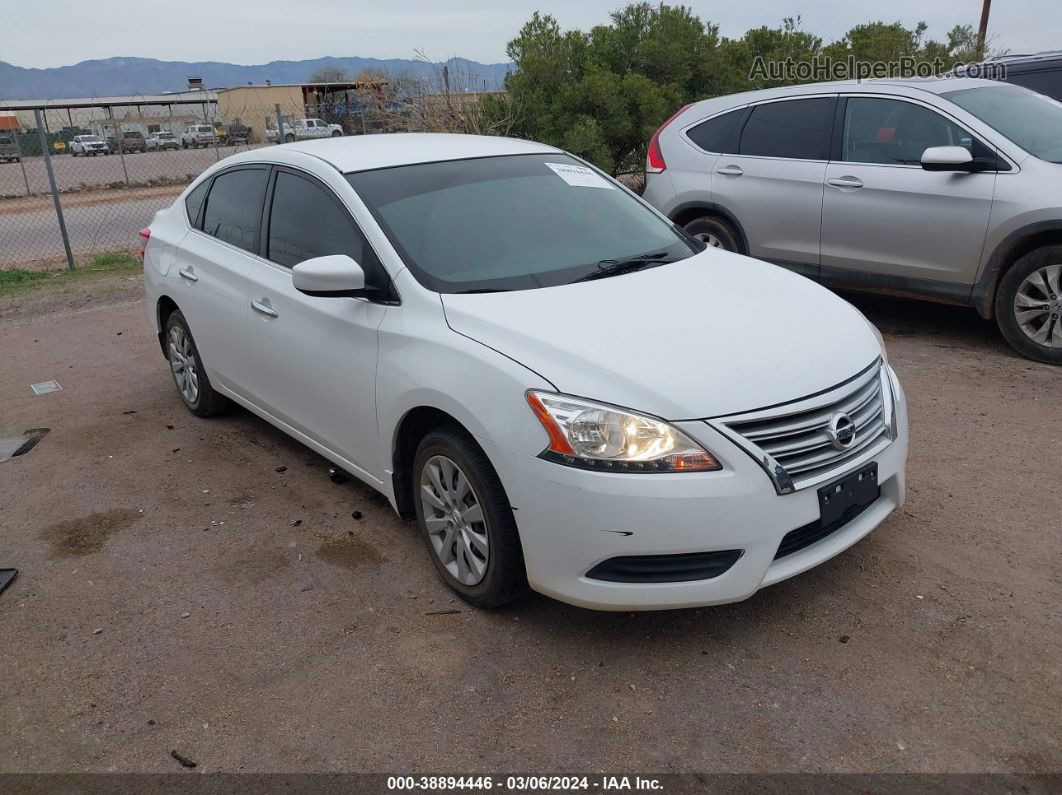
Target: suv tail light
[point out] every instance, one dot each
(654, 158)
(145, 233)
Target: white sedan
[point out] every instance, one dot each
(561, 387)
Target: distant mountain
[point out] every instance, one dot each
(128, 76)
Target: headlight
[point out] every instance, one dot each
(598, 436)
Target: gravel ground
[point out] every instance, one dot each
(201, 586)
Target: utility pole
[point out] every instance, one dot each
(982, 31)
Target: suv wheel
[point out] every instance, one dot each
(466, 520)
(715, 232)
(1029, 305)
(187, 368)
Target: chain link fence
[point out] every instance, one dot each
(79, 182)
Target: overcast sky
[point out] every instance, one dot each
(257, 31)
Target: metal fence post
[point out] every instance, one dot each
(55, 188)
(280, 125)
(118, 139)
(21, 161)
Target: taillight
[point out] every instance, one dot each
(654, 158)
(146, 234)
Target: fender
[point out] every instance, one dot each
(1013, 246)
(686, 210)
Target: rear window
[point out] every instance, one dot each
(717, 134)
(798, 129)
(233, 210)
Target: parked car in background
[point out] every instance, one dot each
(88, 145)
(237, 134)
(163, 140)
(133, 141)
(9, 152)
(559, 385)
(1041, 72)
(198, 135)
(945, 189)
(302, 129)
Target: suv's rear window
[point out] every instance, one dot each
(717, 134)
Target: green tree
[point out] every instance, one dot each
(602, 94)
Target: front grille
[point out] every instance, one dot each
(794, 443)
(686, 567)
(813, 532)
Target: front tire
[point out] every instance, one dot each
(186, 366)
(714, 232)
(1029, 305)
(466, 520)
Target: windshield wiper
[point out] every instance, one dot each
(483, 290)
(618, 267)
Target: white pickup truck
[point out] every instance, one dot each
(198, 135)
(306, 128)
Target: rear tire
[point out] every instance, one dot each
(187, 369)
(1029, 305)
(466, 520)
(714, 232)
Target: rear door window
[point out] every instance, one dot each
(194, 203)
(717, 134)
(798, 129)
(233, 211)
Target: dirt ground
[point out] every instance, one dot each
(202, 586)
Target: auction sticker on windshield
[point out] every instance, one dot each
(579, 176)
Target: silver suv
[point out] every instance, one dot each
(944, 189)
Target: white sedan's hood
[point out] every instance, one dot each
(715, 334)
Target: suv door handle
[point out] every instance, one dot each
(846, 182)
(730, 171)
(188, 273)
(264, 309)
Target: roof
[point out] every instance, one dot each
(933, 85)
(1052, 55)
(363, 152)
(177, 98)
(341, 85)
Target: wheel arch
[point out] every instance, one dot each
(689, 211)
(164, 307)
(415, 424)
(1012, 248)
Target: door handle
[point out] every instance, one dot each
(264, 309)
(188, 273)
(846, 182)
(730, 171)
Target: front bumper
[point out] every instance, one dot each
(571, 519)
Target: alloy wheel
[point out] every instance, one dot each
(454, 520)
(1038, 306)
(182, 362)
(710, 239)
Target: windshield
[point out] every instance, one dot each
(1032, 121)
(90, 139)
(512, 223)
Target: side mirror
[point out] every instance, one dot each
(947, 158)
(333, 276)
